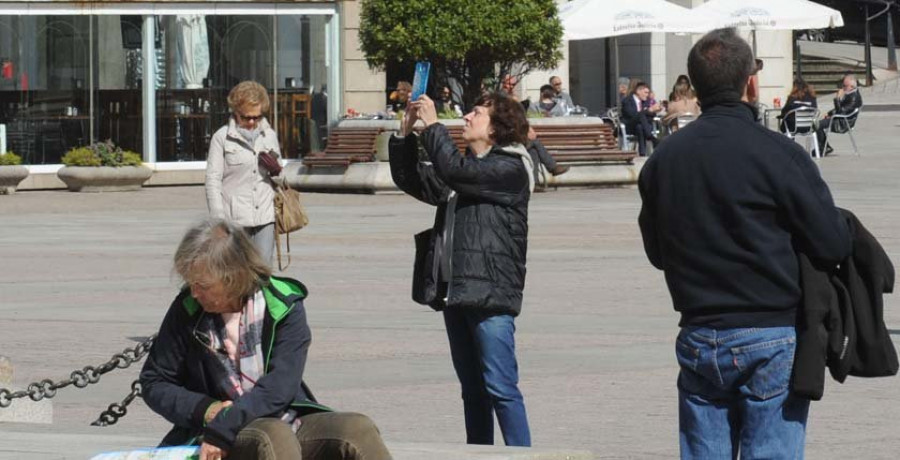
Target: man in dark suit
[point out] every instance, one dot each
(846, 101)
(638, 117)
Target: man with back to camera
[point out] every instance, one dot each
(726, 203)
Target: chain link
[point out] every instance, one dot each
(81, 378)
(115, 411)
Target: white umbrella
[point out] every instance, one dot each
(587, 19)
(774, 14)
(193, 48)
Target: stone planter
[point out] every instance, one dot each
(104, 178)
(10, 176)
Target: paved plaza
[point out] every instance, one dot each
(83, 276)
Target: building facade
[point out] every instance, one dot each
(153, 76)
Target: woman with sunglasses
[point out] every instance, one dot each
(241, 164)
(227, 366)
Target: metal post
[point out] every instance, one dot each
(891, 45)
(797, 55)
(612, 88)
(275, 107)
(868, 49)
(148, 92)
(91, 78)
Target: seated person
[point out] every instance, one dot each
(638, 119)
(678, 81)
(446, 105)
(561, 95)
(548, 105)
(622, 86)
(846, 101)
(802, 95)
(400, 97)
(540, 155)
(227, 365)
(683, 102)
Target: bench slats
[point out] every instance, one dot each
(346, 146)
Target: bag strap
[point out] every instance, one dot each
(287, 237)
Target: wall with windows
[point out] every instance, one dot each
(154, 77)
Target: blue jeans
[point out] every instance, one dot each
(484, 355)
(734, 397)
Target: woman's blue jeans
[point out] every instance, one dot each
(484, 355)
(734, 399)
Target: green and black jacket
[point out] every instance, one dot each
(178, 383)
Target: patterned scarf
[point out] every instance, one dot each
(238, 375)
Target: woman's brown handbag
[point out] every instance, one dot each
(289, 217)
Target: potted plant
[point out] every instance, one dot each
(11, 172)
(103, 167)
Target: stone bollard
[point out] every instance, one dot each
(22, 410)
(6, 371)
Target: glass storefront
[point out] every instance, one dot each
(44, 84)
(68, 80)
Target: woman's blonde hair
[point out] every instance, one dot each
(221, 251)
(682, 92)
(248, 93)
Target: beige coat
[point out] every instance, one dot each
(680, 107)
(237, 189)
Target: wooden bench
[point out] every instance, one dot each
(570, 143)
(346, 146)
(582, 143)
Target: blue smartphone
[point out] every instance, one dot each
(420, 80)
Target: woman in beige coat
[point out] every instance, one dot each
(683, 102)
(238, 188)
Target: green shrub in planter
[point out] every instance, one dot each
(10, 159)
(101, 154)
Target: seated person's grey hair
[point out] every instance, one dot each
(215, 249)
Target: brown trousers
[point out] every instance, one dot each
(322, 436)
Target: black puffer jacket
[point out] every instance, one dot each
(474, 256)
(178, 381)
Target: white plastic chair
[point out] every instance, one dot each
(684, 119)
(806, 119)
(626, 141)
(847, 121)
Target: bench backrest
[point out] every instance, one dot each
(343, 141)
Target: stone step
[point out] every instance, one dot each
(27, 444)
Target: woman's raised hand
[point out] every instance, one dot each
(410, 117)
(425, 110)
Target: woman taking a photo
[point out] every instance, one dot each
(471, 264)
(241, 164)
(227, 366)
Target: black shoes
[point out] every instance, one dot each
(828, 150)
(559, 170)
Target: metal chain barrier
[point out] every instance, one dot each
(81, 378)
(115, 411)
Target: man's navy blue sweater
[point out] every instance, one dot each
(726, 203)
